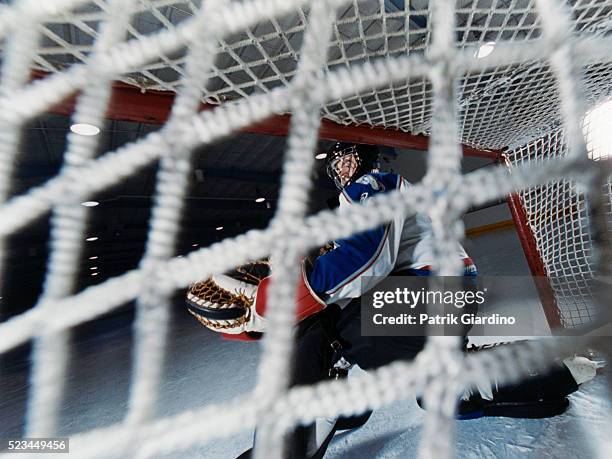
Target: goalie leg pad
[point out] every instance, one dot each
(477, 407)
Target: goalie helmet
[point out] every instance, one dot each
(346, 162)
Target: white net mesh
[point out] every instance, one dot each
(498, 105)
(558, 217)
(412, 67)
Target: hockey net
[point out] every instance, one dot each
(557, 217)
(418, 67)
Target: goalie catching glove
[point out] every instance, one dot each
(237, 309)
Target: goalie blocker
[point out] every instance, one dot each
(237, 309)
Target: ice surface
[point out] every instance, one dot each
(202, 369)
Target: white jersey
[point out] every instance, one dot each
(359, 262)
(416, 245)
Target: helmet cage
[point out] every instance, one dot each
(337, 154)
(366, 157)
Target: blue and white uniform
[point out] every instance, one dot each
(357, 263)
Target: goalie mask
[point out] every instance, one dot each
(346, 162)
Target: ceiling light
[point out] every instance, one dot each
(485, 49)
(219, 228)
(321, 156)
(93, 268)
(90, 203)
(94, 274)
(85, 129)
(194, 245)
(259, 195)
(91, 239)
(93, 258)
(597, 132)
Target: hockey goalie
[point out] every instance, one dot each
(328, 310)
